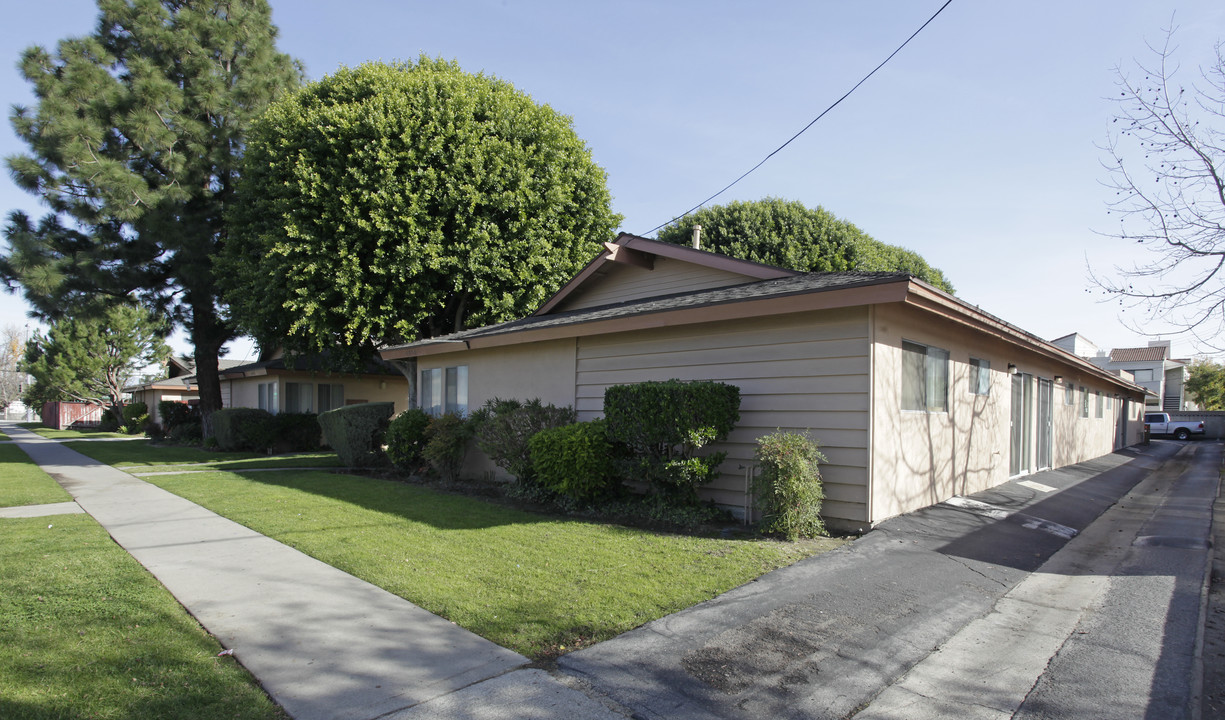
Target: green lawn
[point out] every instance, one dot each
(539, 585)
(144, 452)
(275, 462)
(86, 632)
(54, 434)
(23, 483)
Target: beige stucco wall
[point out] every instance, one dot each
(152, 396)
(543, 370)
(244, 392)
(802, 371)
(920, 458)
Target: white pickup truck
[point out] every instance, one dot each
(1160, 424)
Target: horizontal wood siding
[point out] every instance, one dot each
(807, 371)
(627, 282)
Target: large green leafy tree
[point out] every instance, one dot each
(1206, 384)
(134, 145)
(788, 234)
(91, 359)
(387, 203)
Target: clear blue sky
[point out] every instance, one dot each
(977, 146)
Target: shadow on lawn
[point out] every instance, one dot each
(442, 510)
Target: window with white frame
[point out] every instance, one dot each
(1084, 402)
(1069, 395)
(268, 399)
(980, 376)
(1109, 402)
(1145, 375)
(925, 378)
(1099, 404)
(445, 390)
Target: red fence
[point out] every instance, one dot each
(60, 415)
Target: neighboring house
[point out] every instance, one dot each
(1153, 368)
(913, 394)
(309, 384)
(179, 385)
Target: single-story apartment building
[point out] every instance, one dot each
(913, 395)
(179, 386)
(310, 383)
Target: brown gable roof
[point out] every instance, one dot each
(1141, 354)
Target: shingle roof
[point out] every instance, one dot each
(780, 287)
(1140, 354)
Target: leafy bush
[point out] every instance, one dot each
(575, 460)
(242, 429)
(504, 427)
(446, 443)
(108, 423)
(295, 432)
(135, 417)
(176, 413)
(406, 439)
(154, 431)
(788, 488)
(663, 424)
(356, 432)
(188, 433)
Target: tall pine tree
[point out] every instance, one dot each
(134, 146)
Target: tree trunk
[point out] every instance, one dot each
(408, 367)
(208, 334)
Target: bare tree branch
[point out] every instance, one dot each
(1166, 164)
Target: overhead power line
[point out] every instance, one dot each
(811, 123)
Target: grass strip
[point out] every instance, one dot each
(144, 452)
(24, 483)
(87, 632)
(68, 434)
(539, 585)
(305, 460)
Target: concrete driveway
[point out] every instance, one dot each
(1072, 593)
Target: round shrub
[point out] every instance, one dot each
(187, 433)
(295, 432)
(446, 443)
(356, 432)
(503, 429)
(788, 487)
(405, 439)
(135, 417)
(575, 460)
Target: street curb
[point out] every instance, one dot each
(1197, 657)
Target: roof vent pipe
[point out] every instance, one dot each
(697, 237)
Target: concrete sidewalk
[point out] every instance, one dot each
(324, 644)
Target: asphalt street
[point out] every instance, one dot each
(1073, 593)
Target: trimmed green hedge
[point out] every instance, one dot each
(356, 432)
(663, 425)
(242, 429)
(575, 460)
